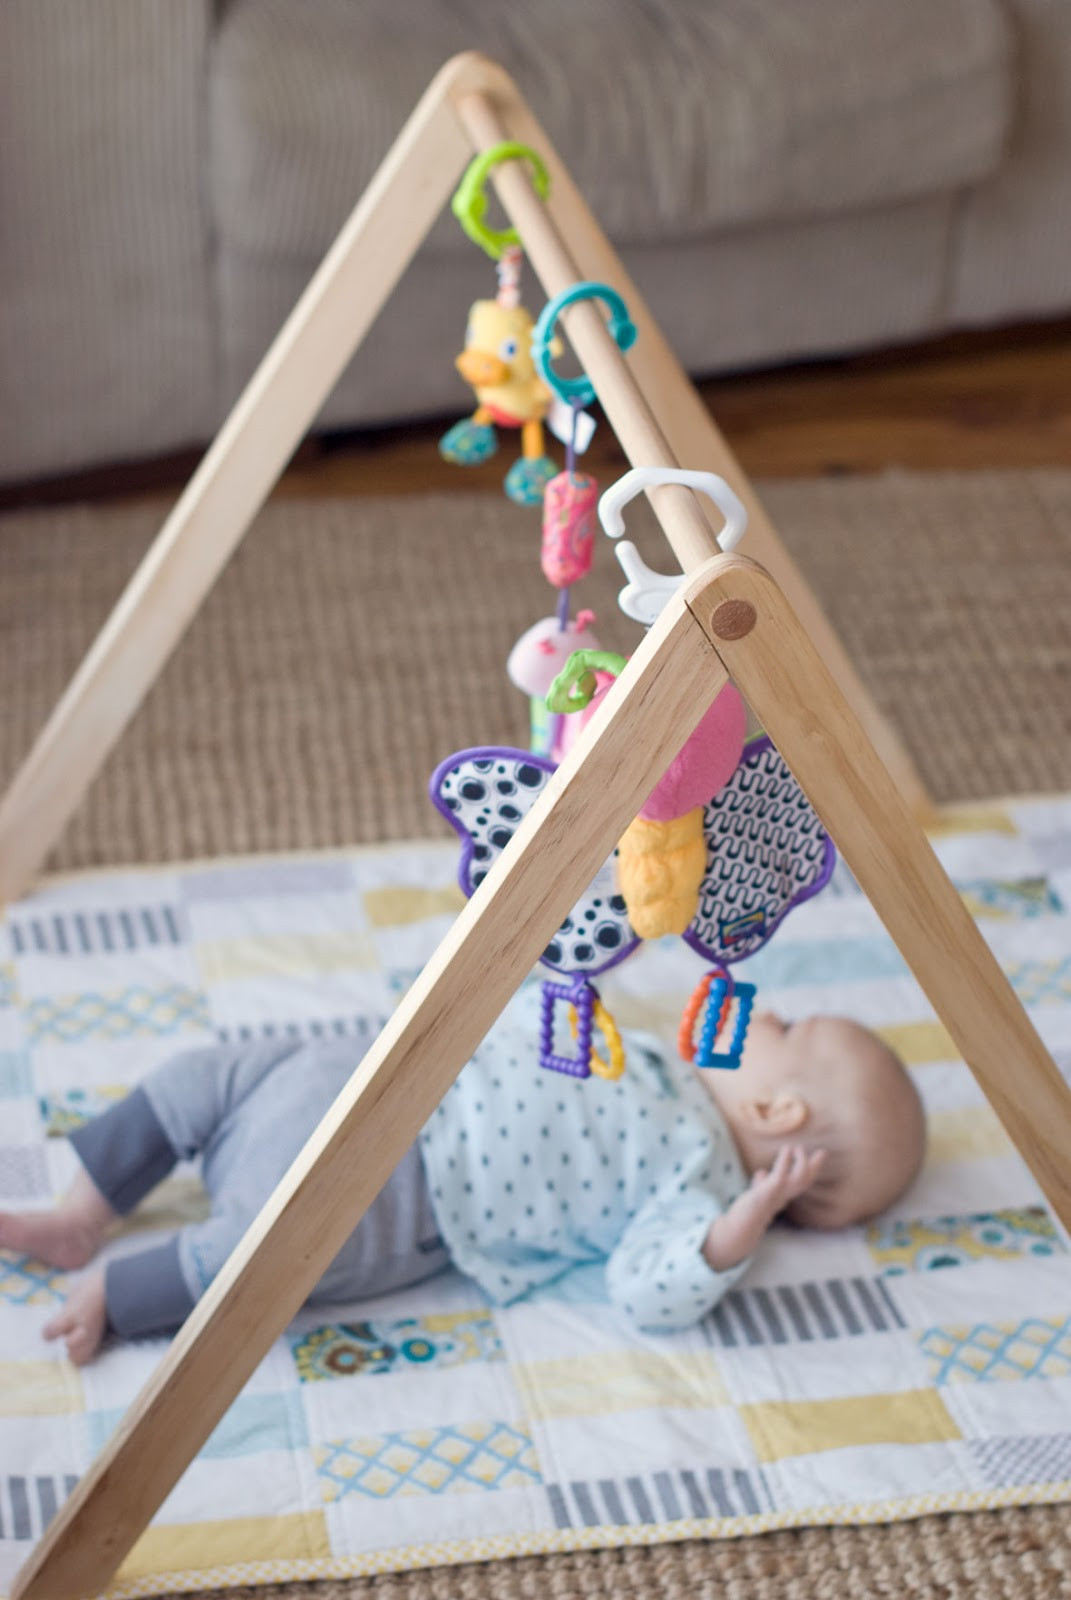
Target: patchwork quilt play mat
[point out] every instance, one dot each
(920, 1364)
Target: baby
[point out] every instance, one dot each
(670, 1176)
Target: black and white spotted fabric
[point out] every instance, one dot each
(766, 852)
(484, 794)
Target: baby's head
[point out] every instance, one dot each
(826, 1083)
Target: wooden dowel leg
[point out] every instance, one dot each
(660, 697)
(775, 665)
(278, 405)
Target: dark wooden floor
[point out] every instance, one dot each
(998, 399)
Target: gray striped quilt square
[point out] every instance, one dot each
(1008, 1463)
(644, 1499)
(114, 930)
(361, 1028)
(27, 1505)
(836, 1308)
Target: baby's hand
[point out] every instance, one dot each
(737, 1234)
(792, 1174)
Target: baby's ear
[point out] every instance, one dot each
(781, 1115)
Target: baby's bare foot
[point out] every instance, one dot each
(53, 1237)
(69, 1235)
(82, 1321)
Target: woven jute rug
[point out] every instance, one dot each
(350, 645)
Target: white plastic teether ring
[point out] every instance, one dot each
(646, 592)
(633, 483)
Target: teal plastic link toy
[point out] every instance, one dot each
(622, 329)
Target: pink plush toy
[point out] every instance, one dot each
(706, 763)
(703, 766)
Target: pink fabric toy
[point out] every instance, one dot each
(569, 503)
(705, 764)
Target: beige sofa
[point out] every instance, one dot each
(784, 180)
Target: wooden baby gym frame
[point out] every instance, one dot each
(730, 617)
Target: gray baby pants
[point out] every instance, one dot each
(246, 1111)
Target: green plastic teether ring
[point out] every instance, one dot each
(569, 692)
(469, 204)
(622, 330)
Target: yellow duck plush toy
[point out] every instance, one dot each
(497, 363)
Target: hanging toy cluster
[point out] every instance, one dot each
(570, 505)
(727, 844)
(496, 361)
(570, 501)
(536, 660)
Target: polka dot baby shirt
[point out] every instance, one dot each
(532, 1173)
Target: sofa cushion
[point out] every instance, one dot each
(106, 314)
(754, 295)
(678, 118)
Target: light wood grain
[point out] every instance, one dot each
(664, 690)
(253, 446)
(777, 668)
(685, 432)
